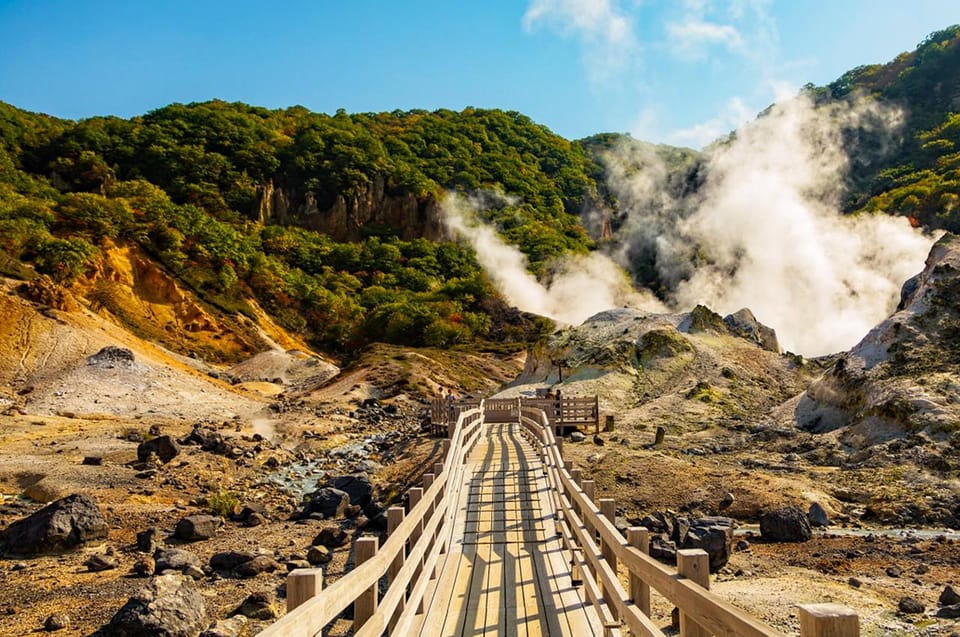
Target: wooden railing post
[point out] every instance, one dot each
(828, 620)
(608, 508)
(589, 490)
(414, 495)
(303, 584)
(395, 516)
(694, 564)
(639, 538)
(366, 604)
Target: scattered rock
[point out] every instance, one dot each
(231, 627)
(949, 612)
(577, 436)
(97, 563)
(817, 516)
(144, 566)
(258, 606)
(43, 491)
(910, 606)
(743, 545)
(57, 621)
(331, 537)
(319, 555)
(165, 448)
(329, 502)
(715, 536)
(59, 526)
(357, 486)
(255, 519)
(663, 549)
(176, 560)
(94, 461)
(949, 596)
(167, 607)
(197, 527)
(112, 356)
(894, 571)
(149, 540)
(727, 500)
(854, 582)
(788, 524)
(229, 560)
(259, 564)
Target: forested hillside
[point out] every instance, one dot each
(918, 175)
(333, 223)
(189, 184)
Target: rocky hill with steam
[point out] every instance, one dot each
(897, 392)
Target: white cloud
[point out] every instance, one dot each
(604, 29)
(693, 37)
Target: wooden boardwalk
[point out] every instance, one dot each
(487, 544)
(504, 572)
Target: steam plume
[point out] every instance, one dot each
(580, 286)
(768, 233)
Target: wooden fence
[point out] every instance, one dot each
(597, 549)
(406, 561)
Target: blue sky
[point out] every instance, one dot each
(674, 71)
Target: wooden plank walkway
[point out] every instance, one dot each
(504, 572)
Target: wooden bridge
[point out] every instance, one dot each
(506, 538)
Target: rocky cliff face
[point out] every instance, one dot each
(344, 219)
(902, 381)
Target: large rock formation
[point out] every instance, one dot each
(59, 526)
(674, 368)
(345, 216)
(903, 379)
(167, 607)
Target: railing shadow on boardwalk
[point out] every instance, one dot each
(420, 540)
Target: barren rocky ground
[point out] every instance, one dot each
(261, 431)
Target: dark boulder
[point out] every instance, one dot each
(259, 564)
(663, 549)
(331, 537)
(328, 502)
(148, 540)
(817, 515)
(207, 439)
(229, 560)
(176, 560)
(949, 596)
(112, 356)
(788, 524)
(165, 448)
(910, 606)
(59, 526)
(167, 607)
(358, 487)
(197, 527)
(715, 536)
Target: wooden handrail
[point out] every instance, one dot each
(431, 516)
(707, 609)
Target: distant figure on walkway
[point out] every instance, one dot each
(451, 405)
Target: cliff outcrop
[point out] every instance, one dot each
(348, 217)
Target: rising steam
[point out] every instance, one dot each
(580, 285)
(763, 230)
(766, 231)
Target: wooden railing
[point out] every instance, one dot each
(564, 411)
(596, 549)
(407, 560)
